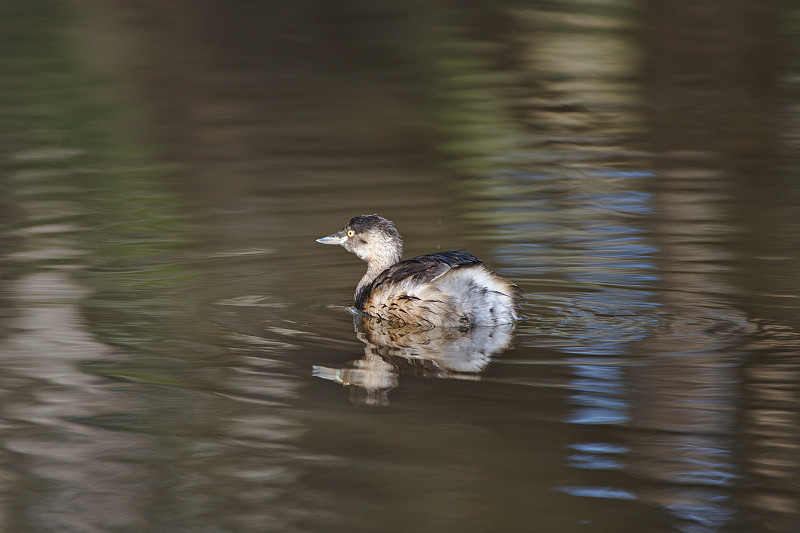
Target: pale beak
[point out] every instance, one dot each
(336, 238)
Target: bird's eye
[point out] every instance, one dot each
(350, 233)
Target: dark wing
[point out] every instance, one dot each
(420, 269)
(425, 268)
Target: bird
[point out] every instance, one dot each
(451, 288)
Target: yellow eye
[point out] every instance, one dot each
(350, 233)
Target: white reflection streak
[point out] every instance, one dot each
(87, 489)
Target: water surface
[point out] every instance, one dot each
(176, 350)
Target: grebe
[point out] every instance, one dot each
(450, 289)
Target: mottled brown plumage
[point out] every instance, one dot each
(451, 288)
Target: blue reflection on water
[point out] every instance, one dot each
(593, 462)
(578, 232)
(599, 447)
(700, 511)
(598, 492)
(593, 269)
(599, 395)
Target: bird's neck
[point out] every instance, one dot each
(375, 265)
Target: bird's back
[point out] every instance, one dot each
(451, 288)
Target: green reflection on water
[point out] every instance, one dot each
(88, 193)
(474, 119)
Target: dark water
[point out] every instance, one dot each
(176, 352)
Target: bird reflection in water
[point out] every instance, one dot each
(391, 350)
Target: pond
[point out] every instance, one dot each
(176, 350)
